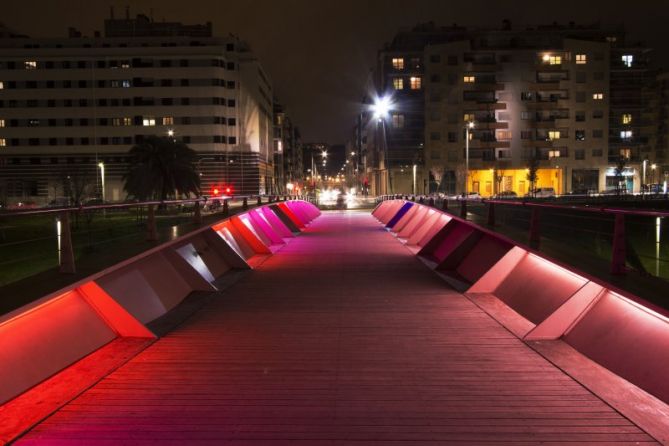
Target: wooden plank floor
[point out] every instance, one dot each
(342, 337)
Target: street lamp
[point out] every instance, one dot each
(468, 127)
(380, 109)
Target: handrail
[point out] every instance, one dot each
(57, 210)
(586, 208)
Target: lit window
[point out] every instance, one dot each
(627, 60)
(2, 122)
(611, 39)
(127, 121)
(503, 135)
(598, 96)
(552, 59)
(125, 83)
(581, 59)
(116, 122)
(30, 64)
(627, 118)
(3, 142)
(469, 117)
(625, 134)
(125, 64)
(626, 153)
(553, 154)
(2, 85)
(398, 63)
(168, 120)
(553, 134)
(470, 79)
(398, 83)
(415, 82)
(149, 122)
(398, 120)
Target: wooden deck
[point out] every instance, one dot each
(341, 337)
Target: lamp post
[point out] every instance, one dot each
(380, 109)
(468, 127)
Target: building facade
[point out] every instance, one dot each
(69, 106)
(288, 153)
(570, 97)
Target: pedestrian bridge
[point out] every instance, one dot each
(284, 325)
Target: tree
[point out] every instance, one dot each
(78, 183)
(498, 175)
(621, 163)
(532, 168)
(159, 167)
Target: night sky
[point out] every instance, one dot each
(319, 53)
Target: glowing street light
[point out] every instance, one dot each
(381, 107)
(170, 133)
(468, 127)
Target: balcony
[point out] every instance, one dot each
(480, 144)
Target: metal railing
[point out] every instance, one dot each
(33, 241)
(627, 238)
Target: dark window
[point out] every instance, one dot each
(452, 137)
(230, 84)
(185, 82)
(231, 103)
(82, 84)
(185, 120)
(230, 66)
(127, 140)
(104, 141)
(232, 121)
(83, 103)
(435, 58)
(232, 140)
(83, 122)
(598, 133)
(69, 122)
(53, 142)
(32, 103)
(126, 102)
(166, 101)
(579, 154)
(67, 84)
(33, 142)
(101, 63)
(50, 84)
(34, 160)
(52, 122)
(166, 82)
(48, 65)
(580, 135)
(101, 84)
(51, 103)
(183, 63)
(435, 78)
(81, 64)
(69, 141)
(185, 101)
(102, 102)
(84, 141)
(186, 139)
(103, 121)
(580, 116)
(31, 84)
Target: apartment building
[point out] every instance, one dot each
(71, 108)
(551, 93)
(288, 152)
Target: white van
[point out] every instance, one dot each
(544, 192)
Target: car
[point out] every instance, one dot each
(542, 192)
(471, 196)
(579, 192)
(507, 194)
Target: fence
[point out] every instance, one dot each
(84, 239)
(628, 239)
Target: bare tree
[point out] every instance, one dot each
(532, 169)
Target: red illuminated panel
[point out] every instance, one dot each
(628, 339)
(286, 210)
(251, 239)
(536, 287)
(46, 339)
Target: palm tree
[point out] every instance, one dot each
(159, 167)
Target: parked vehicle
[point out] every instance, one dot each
(470, 196)
(542, 192)
(507, 194)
